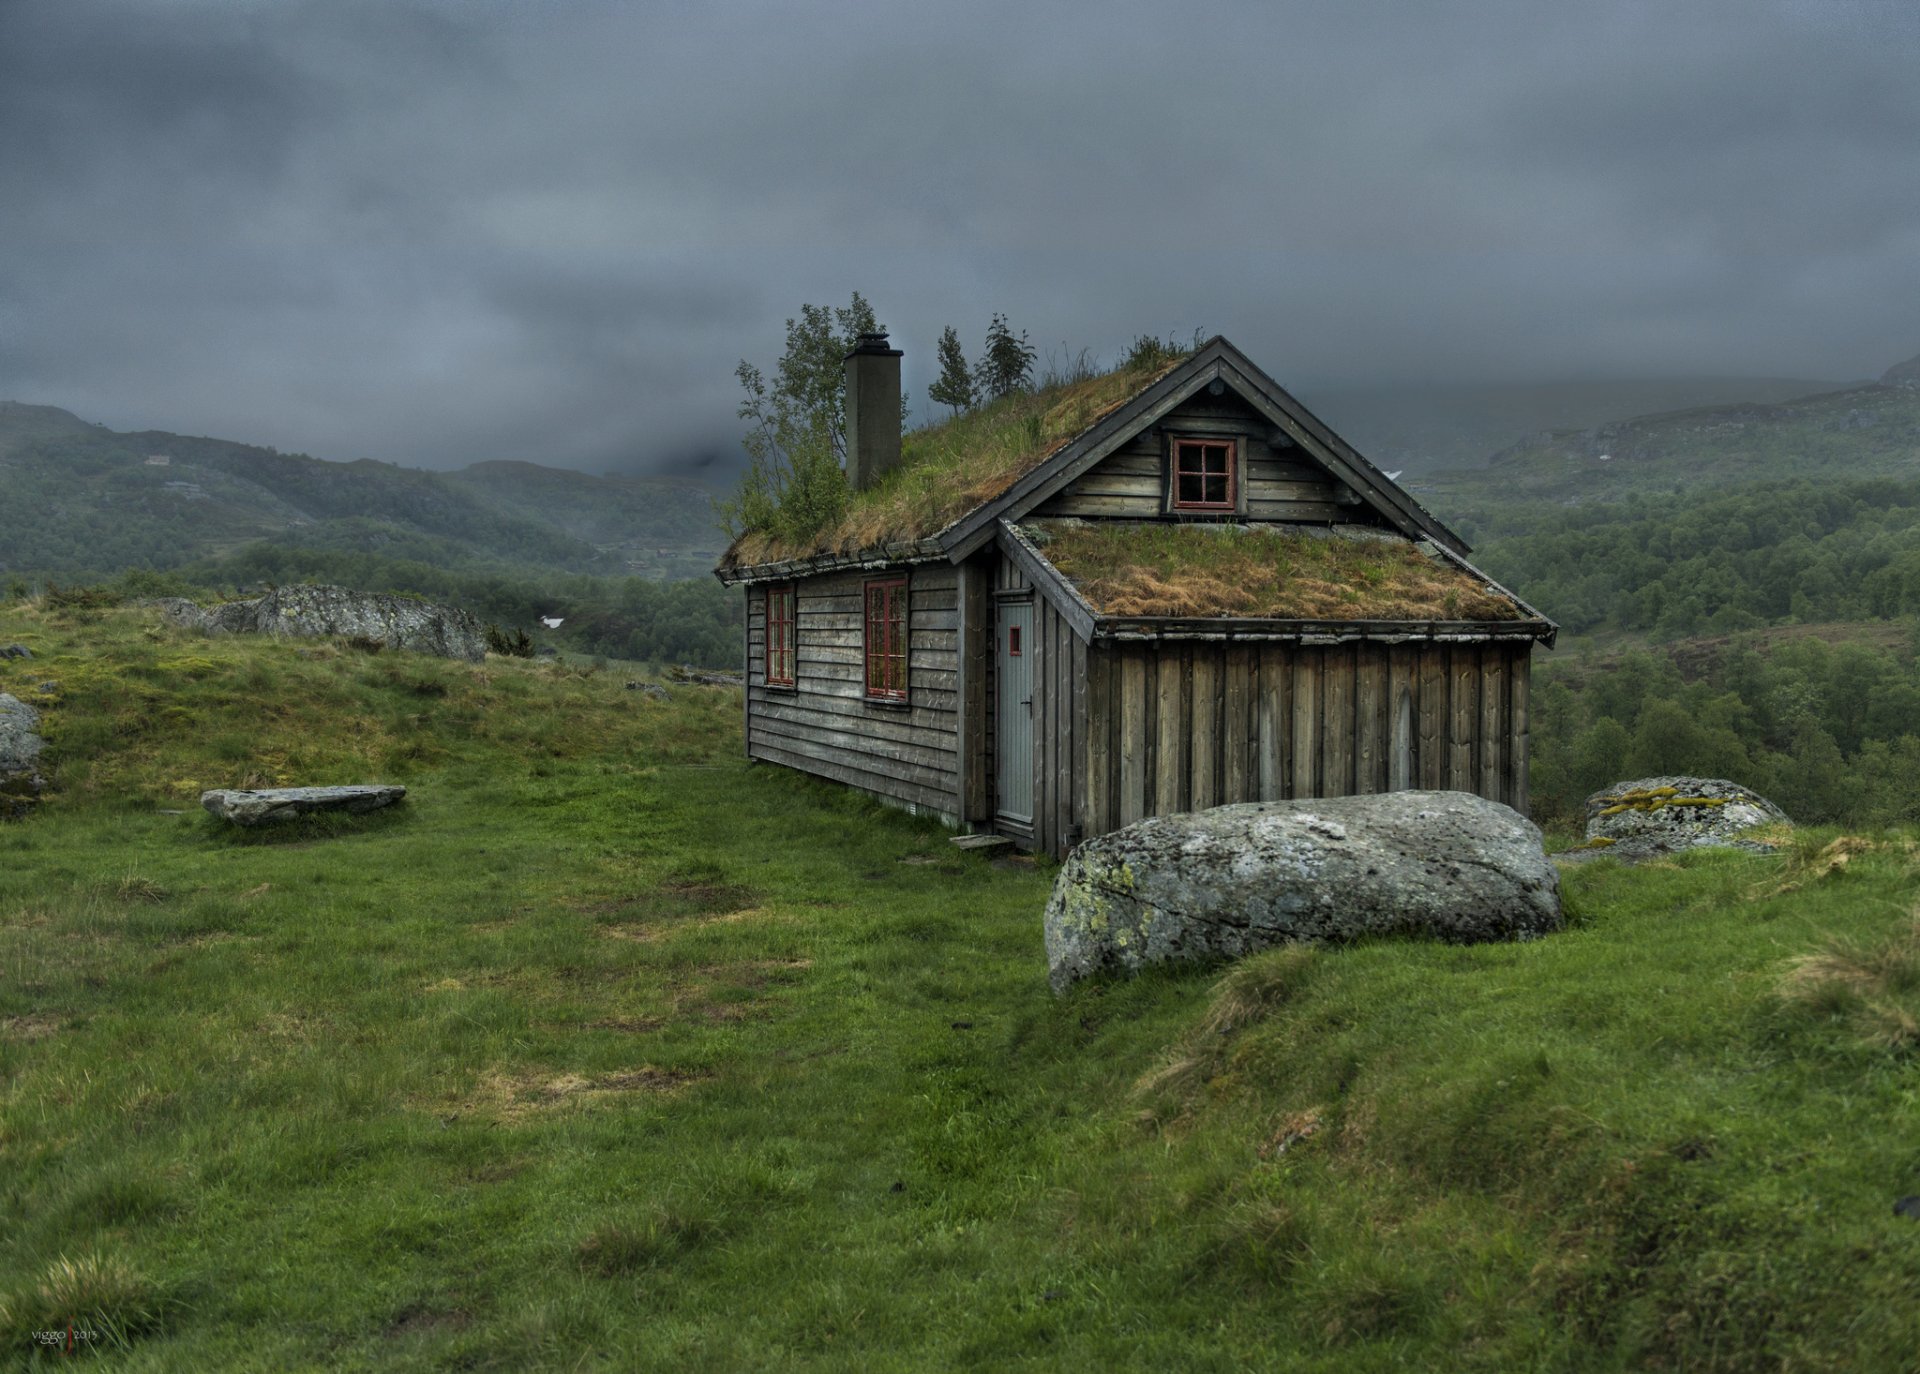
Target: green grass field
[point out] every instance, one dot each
(607, 1050)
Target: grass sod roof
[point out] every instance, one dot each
(1261, 572)
(949, 469)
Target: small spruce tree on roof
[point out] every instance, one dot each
(956, 385)
(1007, 365)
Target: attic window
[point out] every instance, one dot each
(780, 635)
(1203, 474)
(887, 640)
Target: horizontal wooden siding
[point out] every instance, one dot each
(825, 724)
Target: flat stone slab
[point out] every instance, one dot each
(987, 842)
(284, 803)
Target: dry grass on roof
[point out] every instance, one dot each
(1191, 570)
(949, 469)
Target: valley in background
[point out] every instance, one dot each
(1737, 577)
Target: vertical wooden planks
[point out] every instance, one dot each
(1430, 730)
(1046, 754)
(1401, 666)
(1519, 686)
(1463, 717)
(1337, 721)
(1204, 739)
(1369, 719)
(976, 759)
(1134, 716)
(1075, 792)
(1305, 720)
(1170, 731)
(1100, 713)
(1239, 728)
(1492, 733)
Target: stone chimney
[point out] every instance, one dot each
(873, 410)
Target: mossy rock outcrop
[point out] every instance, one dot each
(1664, 815)
(1235, 879)
(370, 619)
(20, 746)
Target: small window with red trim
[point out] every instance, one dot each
(1013, 641)
(887, 639)
(780, 635)
(1203, 474)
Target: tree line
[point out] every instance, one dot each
(1767, 554)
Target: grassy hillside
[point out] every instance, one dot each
(608, 1050)
(1871, 431)
(97, 502)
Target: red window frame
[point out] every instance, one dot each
(1013, 641)
(778, 623)
(886, 639)
(1189, 463)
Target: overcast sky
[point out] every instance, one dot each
(442, 232)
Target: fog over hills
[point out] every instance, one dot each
(92, 500)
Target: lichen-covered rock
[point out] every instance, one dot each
(1655, 816)
(1235, 879)
(20, 746)
(283, 803)
(394, 622)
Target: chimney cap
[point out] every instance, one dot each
(874, 344)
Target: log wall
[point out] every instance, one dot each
(824, 724)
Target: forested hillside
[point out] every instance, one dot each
(1738, 590)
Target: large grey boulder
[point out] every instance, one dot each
(394, 622)
(1654, 816)
(284, 803)
(1235, 879)
(20, 746)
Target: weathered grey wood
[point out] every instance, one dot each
(1204, 736)
(1047, 579)
(907, 767)
(1336, 722)
(1295, 512)
(1430, 733)
(837, 771)
(1076, 791)
(975, 762)
(1519, 686)
(1463, 694)
(1169, 779)
(1401, 668)
(748, 669)
(1240, 725)
(1305, 743)
(1096, 442)
(903, 725)
(917, 762)
(1135, 801)
(1369, 719)
(1046, 721)
(1101, 712)
(1492, 731)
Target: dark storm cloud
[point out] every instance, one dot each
(443, 232)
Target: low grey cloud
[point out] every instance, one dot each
(439, 232)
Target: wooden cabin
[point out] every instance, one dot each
(1144, 593)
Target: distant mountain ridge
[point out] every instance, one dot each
(1425, 430)
(84, 499)
(1871, 430)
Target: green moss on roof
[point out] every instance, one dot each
(1277, 572)
(949, 469)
